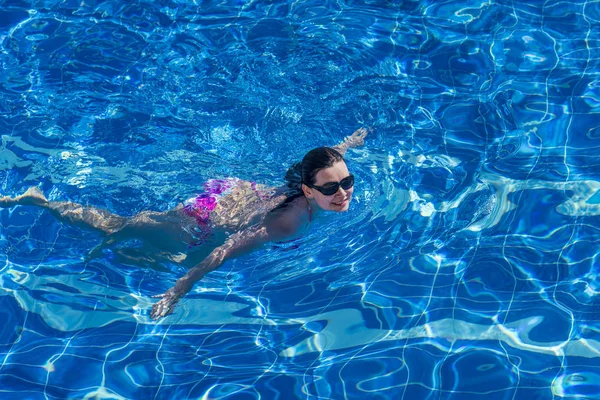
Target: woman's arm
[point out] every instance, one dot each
(354, 140)
(238, 244)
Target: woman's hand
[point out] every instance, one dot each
(356, 139)
(166, 303)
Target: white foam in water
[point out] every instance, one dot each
(577, 205)
(346, 328)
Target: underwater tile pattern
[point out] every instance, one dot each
(467, 267)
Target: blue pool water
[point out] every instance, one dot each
(467, 267)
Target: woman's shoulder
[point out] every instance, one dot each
(286, 221)
(290, 209)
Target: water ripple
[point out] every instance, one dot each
(466, 267)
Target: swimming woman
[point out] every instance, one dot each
(255, 213)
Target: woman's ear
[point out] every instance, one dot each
(307, 191)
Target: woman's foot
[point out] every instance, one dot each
(32, 197)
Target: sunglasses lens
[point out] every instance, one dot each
(347, 182)
(329, 190)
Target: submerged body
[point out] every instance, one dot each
(231, 217)
(181, 235)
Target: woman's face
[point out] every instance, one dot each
(340, 200)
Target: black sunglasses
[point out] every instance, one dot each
(332, 187)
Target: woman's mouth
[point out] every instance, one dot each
(340, 204)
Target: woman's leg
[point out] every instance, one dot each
(161, 229)
(66, 211)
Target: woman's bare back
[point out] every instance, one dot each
(245, 204)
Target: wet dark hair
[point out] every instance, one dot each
(307, 170)
(316, 160)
